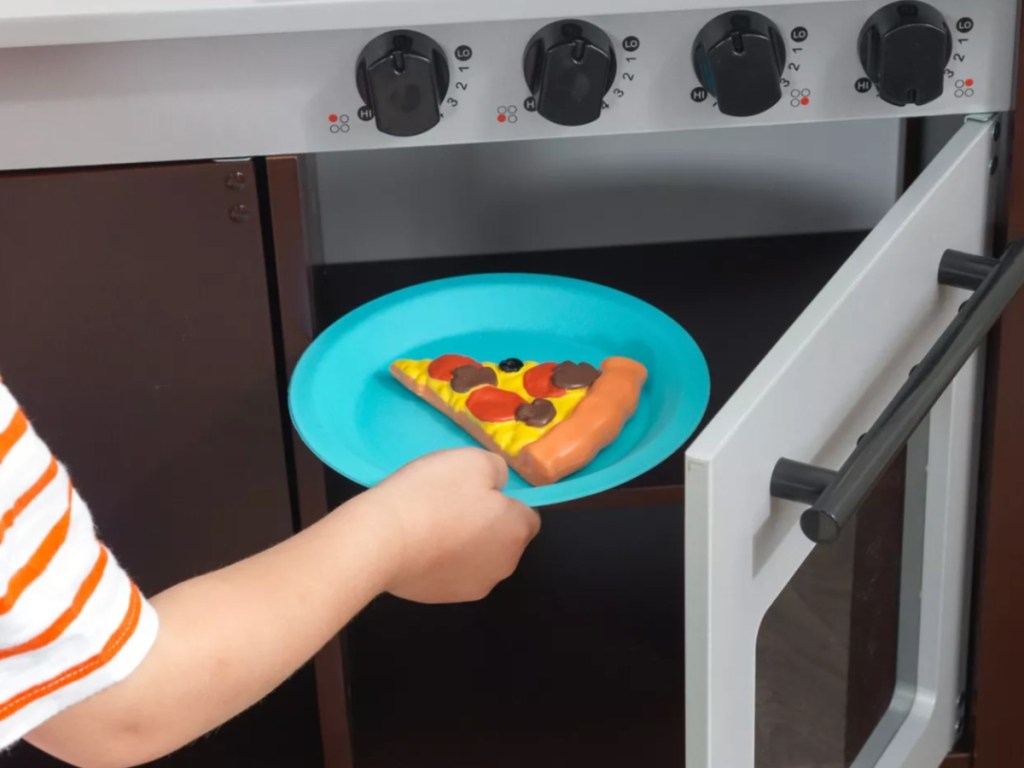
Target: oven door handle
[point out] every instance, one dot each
(835, 496)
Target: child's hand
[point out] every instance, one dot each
(453, 533)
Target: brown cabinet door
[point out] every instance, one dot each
(135, 328)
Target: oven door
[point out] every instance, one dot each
(831, 380)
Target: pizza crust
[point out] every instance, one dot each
(568, 447)
(594, 424)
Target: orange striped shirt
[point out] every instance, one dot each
(71, 620)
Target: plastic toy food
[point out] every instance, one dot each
(547, 420)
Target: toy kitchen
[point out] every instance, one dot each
(820, 192)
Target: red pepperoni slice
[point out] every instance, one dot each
(537, 381)
(442, 367)
(493, 404)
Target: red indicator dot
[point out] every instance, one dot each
(501, 118)
(805, 101)
(333, 118)
(968, 82)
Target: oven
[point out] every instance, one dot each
(815, 190)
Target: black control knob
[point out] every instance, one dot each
(739, 58)
(569, 67)
(403, 76)
(905, 48)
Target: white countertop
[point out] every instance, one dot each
(64, 22)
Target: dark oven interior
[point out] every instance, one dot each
(577, 660)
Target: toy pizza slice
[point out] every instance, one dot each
(547, 420)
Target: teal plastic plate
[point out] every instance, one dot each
(364, 425)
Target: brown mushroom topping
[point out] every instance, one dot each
(539, 413)
(467, 377)
(574, 375)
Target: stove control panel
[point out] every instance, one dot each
(665, 70)
(691, 69)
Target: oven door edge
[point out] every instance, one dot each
(821, 387)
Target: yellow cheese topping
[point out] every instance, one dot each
(511, 436)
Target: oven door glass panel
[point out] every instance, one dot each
(828, 648)
(820, 388)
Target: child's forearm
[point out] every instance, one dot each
(227, 639)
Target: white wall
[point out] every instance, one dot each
(519, 196)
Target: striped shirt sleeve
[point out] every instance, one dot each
(71, 621)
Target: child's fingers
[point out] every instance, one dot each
(496, 465)
(500, 470)
(529, 516)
